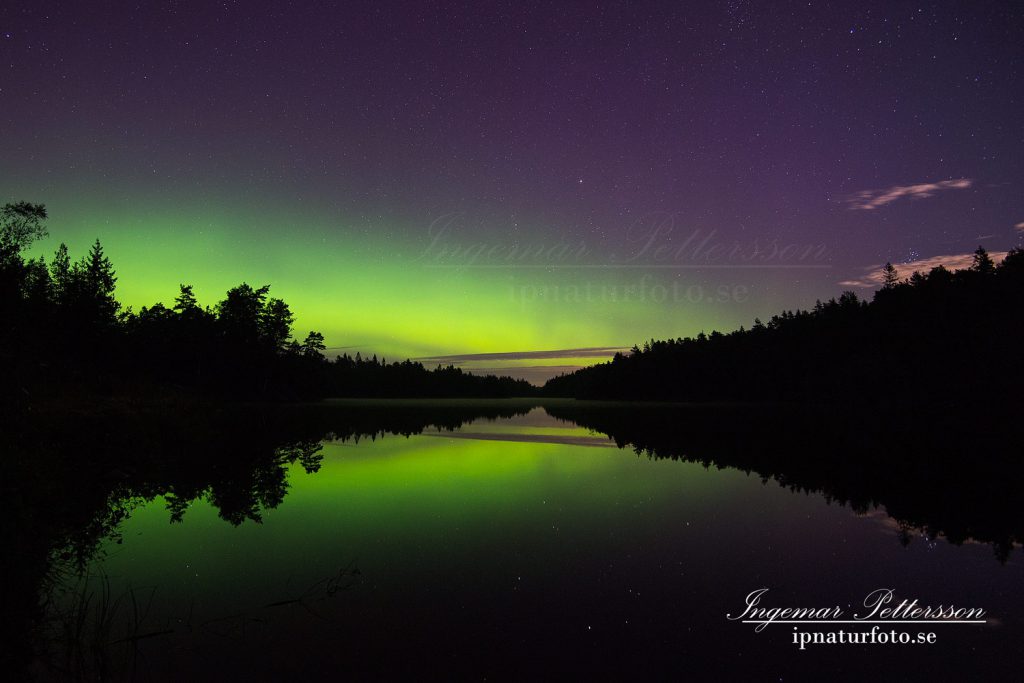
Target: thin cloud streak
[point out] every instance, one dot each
(586, 352)
(868, 200)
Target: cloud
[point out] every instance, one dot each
(586, 352)
(872, 199)
(1020, 226)
(873, 276)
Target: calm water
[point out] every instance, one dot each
(527, 546)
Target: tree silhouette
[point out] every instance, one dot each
(983, 263)
(313, 345)
(37, 287)
(98, 280)
(276, 323)
(890, 278)
(64, 327)
(21, 224)
(60, 273)
(240, 311)
(185, 303)
(926, 333)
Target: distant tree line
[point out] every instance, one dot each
(65, 333)
(937, 336)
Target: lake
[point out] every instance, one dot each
(520, 541)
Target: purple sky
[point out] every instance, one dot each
(882, 130)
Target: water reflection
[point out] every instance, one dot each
(948, 475)
(71, 481)
(484, 494)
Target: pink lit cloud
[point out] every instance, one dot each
(873, 199)
(873, 276)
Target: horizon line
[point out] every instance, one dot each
(624, 266)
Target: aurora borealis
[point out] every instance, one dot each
(705, 164)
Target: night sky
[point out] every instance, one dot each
(442, 179)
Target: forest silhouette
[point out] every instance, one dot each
(934, 337)
(940, 336)
(66, 335)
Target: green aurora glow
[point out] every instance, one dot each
(367, 290)
(365, 495)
